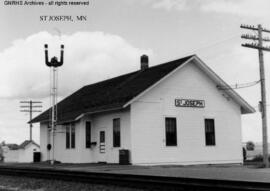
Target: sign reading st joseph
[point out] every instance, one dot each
(189, 103)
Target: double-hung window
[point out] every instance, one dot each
(171, 131)
(70, 135)
(88, 134)
(210, 132)
(116, 133)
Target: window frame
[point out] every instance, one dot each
(70, 133)
(88, 142)
(212, 144)
(67, 128)
(116, 134)
(167, 144)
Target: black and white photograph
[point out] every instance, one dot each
(134, 95)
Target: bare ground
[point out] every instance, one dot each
(14, 183)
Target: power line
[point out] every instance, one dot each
(258, 44)
(238, 86)
(257, 106)
(213, 44)
(28, 107)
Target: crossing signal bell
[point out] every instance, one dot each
(54, 61)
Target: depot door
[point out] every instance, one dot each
(102, 146)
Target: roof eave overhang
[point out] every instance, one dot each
(245, 107)
(41, 121)
(83, 114)
(97, 111)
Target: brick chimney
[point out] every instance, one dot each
(144, 62)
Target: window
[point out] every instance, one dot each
(70, 136)
(87, 134)
(67, 136)
(209, 132)
(116, 132)
(171, 133)
(102, 136)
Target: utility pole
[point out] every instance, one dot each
(54, 63)
(259, 46)
(29, 108)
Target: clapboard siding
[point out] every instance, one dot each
(148, 122)
(81, 154)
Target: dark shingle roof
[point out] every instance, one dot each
(25, 143)
(109, 94)
(13, 146)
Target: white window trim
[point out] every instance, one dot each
(91, 122)
(120, 121)
(69, 127)
(164, 131)
(209, 117)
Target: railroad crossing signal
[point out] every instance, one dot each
(54, 63)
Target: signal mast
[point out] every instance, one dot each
(54, 63)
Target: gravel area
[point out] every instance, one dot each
(13, 183)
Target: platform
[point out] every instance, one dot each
(215, 172)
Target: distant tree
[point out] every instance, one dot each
(250, 146)
(1, 151)
(2, 143)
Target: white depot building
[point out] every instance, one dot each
(173, 113)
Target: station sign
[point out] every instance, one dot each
(189, 103)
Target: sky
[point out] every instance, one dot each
(110, 42)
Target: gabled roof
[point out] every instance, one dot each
(13, 146)
(26, 142)
(119, 92)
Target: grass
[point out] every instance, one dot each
(8, 183)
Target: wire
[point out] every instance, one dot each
(59, 32)
(238, 86)
(257, 106)
(213, 44)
